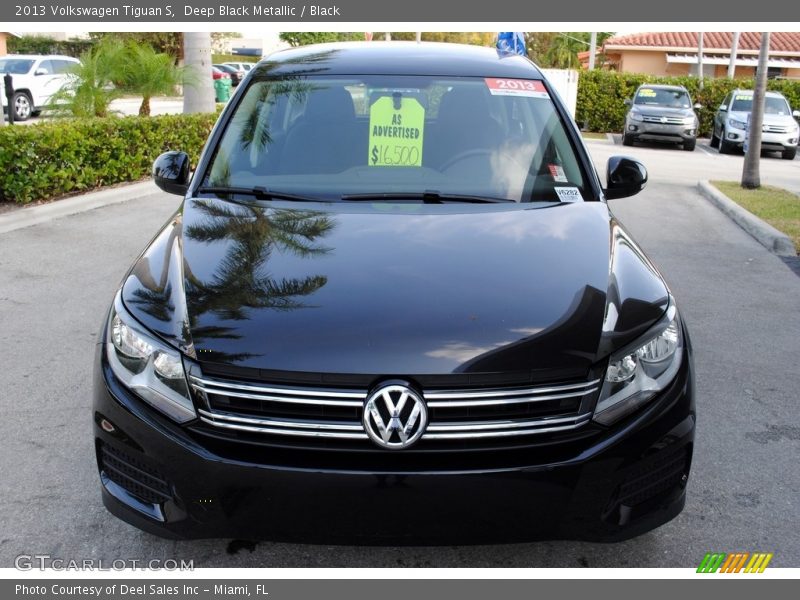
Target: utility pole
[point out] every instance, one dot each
(198, 92)
(751, 177)
(700, 58)
(592, 49)
(734, 50)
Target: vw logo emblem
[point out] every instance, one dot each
(395, 416)
(663, 119)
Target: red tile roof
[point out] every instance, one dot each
(780, 41)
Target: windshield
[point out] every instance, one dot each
(661, 97)
(333, 137)
(773, 105)
(15, 66)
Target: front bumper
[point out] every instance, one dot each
(658, 132)
(770, 142)
(627, 480)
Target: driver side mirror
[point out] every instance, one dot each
(41, 71)
(796, 114)
(697, 106)
(624, 177)
(171, 172)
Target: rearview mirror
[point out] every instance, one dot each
(624, 177)
(171, 172)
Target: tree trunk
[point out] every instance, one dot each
(198, 92)
(144, 109)
(751, 177)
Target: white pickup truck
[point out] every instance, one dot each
(35, 79)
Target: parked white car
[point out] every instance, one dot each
(35, 79)
(241, 66)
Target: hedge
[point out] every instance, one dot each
(601, 96)
(35, 44)
(45, 160)
(243, 58)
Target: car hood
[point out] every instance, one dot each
(396, 290)
(659, 111)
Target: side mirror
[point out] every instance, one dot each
(697, 106)
(171, 172)
(624, 177)
(628, 102)
(796, 114)
(41, 71)
(723, 108)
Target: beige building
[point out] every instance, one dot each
(4, 35)
(676, 53)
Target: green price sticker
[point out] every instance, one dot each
(396, 130)
(647, 93)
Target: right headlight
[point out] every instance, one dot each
(638, 372)
(737, 124)
(147, 366)
(637, 116)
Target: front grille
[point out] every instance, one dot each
(333, 416)
(774, 129)
(663, 120)
(654, 478)
(138, 478)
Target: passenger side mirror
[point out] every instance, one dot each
(624, 177)
(171, 172)
(723, 108)
(628, 102)
(41, 71)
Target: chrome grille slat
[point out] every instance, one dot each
(335, 418)
(667, 121)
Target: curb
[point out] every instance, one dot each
(769, 237)
(34, 215)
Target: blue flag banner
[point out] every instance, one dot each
(512, 42)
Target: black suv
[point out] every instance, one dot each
(394, 307)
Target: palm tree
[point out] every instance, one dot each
(198, 95)
(90, 85)
(150, 73)
(751, 176)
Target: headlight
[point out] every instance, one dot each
(637, 373)
(147, 366)
(737, 124)
(689, 121)
(636, 116)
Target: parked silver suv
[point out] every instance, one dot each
(661, 113)
(779, 132)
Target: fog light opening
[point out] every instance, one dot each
(107, 426)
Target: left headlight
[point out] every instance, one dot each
(636, 116)
(689, 120)
(638, 372)
(150, 368)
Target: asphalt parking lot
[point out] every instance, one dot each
(740, 301)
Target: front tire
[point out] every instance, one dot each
(725, 147)
(23, 106)
(689, 145)
(714, 139)
(627, 140)
(789, 153)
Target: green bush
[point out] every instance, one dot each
(46, 160)
(35, 44)
(243, 58)
(602, 94)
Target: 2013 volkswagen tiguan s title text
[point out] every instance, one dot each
(394, 307)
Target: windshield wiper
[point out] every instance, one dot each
(260, 193)
(428, 197)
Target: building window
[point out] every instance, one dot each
(774, 72)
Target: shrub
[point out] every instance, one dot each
(45, 160)
(35, 44)
(602, 94)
